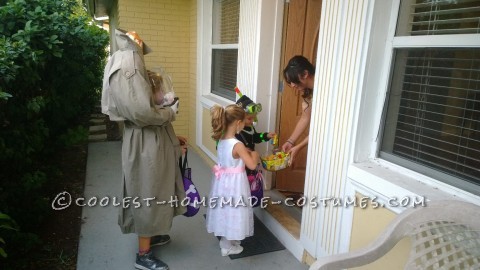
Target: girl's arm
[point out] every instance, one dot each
(250, 158)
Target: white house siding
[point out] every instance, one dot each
(353, 66)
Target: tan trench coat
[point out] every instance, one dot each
(150, 148)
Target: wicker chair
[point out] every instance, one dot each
(444, 235)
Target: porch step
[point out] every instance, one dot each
(97, 137)
(98, 128)
(287, 221)
(97, 116)
(288, 216)
(97, 121)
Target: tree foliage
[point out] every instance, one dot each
(51, 65)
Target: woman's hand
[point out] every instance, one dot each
(286, 147)
(293, 152)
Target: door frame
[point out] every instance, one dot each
(300, 36)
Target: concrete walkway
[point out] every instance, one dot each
(103, 246)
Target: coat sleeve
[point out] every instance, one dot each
(131, 92)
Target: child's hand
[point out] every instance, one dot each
(270, 135)
(182, 140)
(184, 149)
(168, 98)
(183, 144)
(174, 107)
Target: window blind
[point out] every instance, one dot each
(225, 29)
(433, 115)
(224, 72)
(438, 17)
(226, 19)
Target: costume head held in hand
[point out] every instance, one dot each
(124, 40)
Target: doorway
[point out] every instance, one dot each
(302, 24)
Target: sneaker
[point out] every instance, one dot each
(232, 250)
(159, 240)
(148, 262)
(236, 242)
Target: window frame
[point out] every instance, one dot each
(401, 165)
(207, 97)
(368, 174)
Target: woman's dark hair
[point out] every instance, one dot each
(295, 68)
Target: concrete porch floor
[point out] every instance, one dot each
(103, 246)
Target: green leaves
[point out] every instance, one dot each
(51, 69)
(33, 181)
(6, 223)
(36, 103)
(4, 95)
(75, 136)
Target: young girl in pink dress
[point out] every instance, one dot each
(230, 214)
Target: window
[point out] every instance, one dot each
(224, 47)
(432, 121)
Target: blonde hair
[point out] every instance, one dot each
(224, 117)
(156, 81)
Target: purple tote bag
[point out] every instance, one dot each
(256, 187)
(193, 198)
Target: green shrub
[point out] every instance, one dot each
(51, 66)
(6, 224)
(75, 136)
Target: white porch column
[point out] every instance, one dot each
(342, 49)
(259, 48)
(248, 47)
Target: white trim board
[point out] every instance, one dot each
(377, 180)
